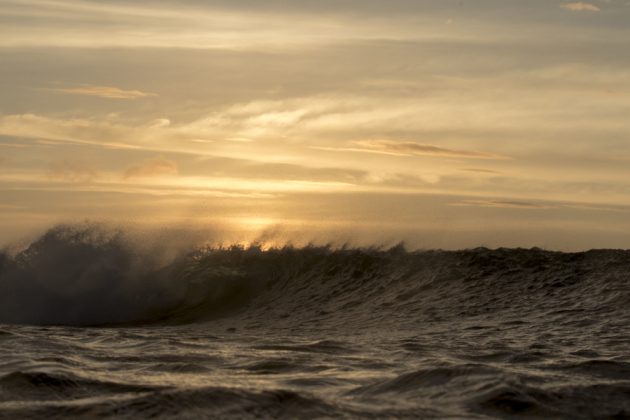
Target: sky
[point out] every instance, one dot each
(441, 123)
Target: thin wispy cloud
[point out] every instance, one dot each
(502, 204)
(579, 6)
(409, 148)
(531, 205)
(99, 132)
(150, 168)
(15, 145)
(9, 207)
(481, 170)
(107, 92)
(70, 171)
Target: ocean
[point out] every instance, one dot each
(92, 326)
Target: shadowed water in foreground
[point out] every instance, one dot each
(94, 327)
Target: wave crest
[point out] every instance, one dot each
(90, 275)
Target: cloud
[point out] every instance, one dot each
(105, 92)
(502, 204)
(193, 24)
(14, 145)
(151, 167)
(10, 207)
(409, 148)
(251, 169)
(72, 172)
(599, 207)
(101, 132)
(514, 204)
(579, 6)
(481, 170)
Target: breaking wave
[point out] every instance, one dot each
(316, 331)
(94, 276)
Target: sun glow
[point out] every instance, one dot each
(254, 223)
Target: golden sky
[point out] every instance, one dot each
(443, 123)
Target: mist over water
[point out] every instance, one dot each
(105, 322)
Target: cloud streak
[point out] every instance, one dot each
(579, 6)
(546, 205)
(509, 204)
(481, 171)
(107, 92)
(72, 172)
(409, 148)
(151, 168)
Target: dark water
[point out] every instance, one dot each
(93, 326)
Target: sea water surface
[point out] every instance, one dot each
(92, 327)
